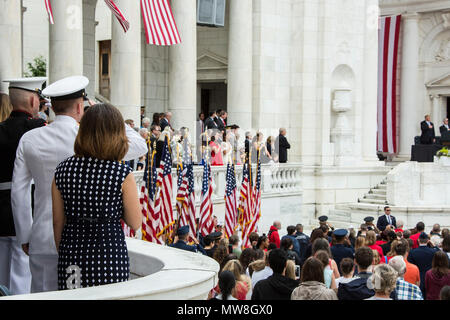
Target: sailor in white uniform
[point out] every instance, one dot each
(38, 155)
(24, 94)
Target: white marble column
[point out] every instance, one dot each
(436, 117)
(66, 40)
(126, 61)
(410, 111)
(240, 52)
(183, 67)
(369, 108)
(10, 42)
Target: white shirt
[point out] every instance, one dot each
(39, 152)
(261, 275)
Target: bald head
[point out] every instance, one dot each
(24, 100)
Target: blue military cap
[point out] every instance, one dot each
(215, 235)
(183, 230)
(369, 219)
(323, 218)
(340, 232)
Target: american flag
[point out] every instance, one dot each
(48, 7)
(256, 200)
(116, 11)
(150, 202)
(245, 204)
(159, 24)
(186, 200)
(230, 201)
(206, 225)
(127, 231)
(165, 183)
(388, 42)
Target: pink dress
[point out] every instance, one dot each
(216, 157)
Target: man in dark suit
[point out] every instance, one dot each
(444, 127)
(166, 121)
(422, 257)
(181, 241)
(386, 219)
(221, 123)
(428, 135)
(281, 146)
(210, 123)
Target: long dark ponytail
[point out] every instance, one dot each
(227, 283)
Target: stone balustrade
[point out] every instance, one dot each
(276, 180)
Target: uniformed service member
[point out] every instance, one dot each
(181, 238)
(370, 225)
(38, 154)
(341, 247)
(25, 96)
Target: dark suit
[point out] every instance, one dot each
(442, 129)
(210, 123)
(382, 222)
(221, 124)
(422, 257)
(427, 134)
(339, 252)
(281, 146)
(164, 123)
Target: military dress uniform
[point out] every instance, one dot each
(180, 244)
(14, 270)
(38, 154)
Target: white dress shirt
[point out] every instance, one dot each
(38, 154)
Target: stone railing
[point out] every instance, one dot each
(157, 273)
(276, 180)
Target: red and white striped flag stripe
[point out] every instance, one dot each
(48, 7)
(206, 224)
(159, 24)
(388, 41)
(128, 232)
(120, 17)
(230, 202)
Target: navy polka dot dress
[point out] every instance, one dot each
(92, 238)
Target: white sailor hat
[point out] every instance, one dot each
(34, 84)
(68, 88)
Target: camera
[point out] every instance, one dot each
(297, 271)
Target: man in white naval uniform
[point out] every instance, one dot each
(38, 155)
(14, 265)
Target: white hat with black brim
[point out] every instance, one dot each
(34, 84)
(67, 89)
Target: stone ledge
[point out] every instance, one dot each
(166, 280)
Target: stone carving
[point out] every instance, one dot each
(443, 53)
(446, 18)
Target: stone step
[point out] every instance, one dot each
(376, 196)
(378, 191)
(380, 187)
(339, 215)
(373, 201)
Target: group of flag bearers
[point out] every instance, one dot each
(242, 207)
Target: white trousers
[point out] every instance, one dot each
(44, 271)
(14, 267)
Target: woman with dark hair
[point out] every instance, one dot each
(263, 243)
(438, 277)
(287, 245)
(446, 245)
(156, 119)
(312, 285)
(88, 205)
(322, 244)
(247, 256)
(227, 283)
(316, 234)
(220, 255)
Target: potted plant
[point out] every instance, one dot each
(443, 156)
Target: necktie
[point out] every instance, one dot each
(389, 219)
